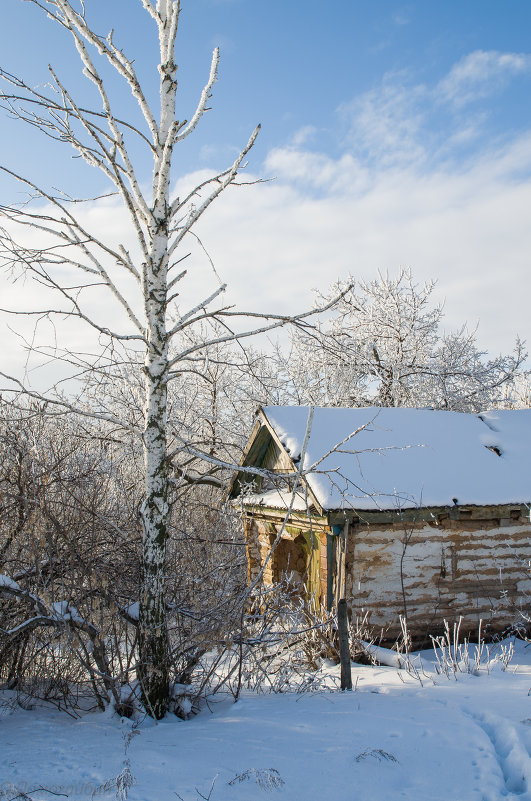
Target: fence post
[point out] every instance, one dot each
(344, 650)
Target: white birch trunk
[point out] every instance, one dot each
(153, 640)
(160, 226)
(153, 637)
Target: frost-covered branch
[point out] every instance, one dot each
(384, 345)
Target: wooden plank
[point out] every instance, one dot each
(344, 649)
(517, 514)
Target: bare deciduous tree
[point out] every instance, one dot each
(384, 345)
(142, 275)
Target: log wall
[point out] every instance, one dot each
(431, 573)
(427, 571)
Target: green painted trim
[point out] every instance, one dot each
(300, 518)
(293, 530)
(314, 567)
(330, 569)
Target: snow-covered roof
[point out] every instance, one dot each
(404, 458)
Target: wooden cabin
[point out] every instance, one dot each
(403, 512)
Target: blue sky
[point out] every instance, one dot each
(398, 133)
(291, 65)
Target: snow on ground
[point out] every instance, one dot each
(459, 739)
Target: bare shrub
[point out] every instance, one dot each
(70, 557)
(454, 656)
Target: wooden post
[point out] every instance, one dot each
(344, 650)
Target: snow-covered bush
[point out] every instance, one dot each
(71, 565)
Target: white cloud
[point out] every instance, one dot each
(403, 122)
(468, 228)
(396, 195)
(304, 135)
(385, 124)
(316, 170)
(275, 242)
(480, 73)
(400, 19)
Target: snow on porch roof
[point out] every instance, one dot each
(404, 458)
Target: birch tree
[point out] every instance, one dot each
(143, 279)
